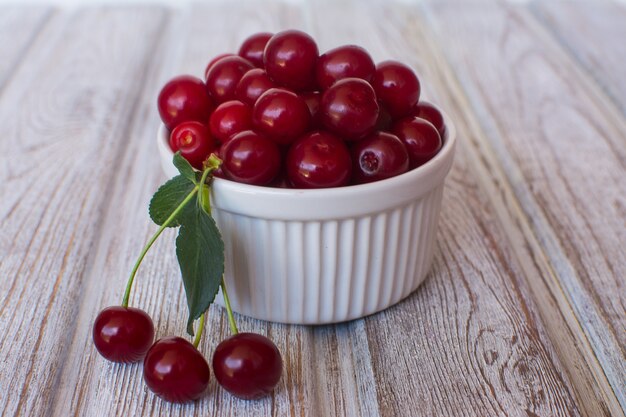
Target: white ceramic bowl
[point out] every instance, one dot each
(327, 255)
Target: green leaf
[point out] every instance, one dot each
(200, 253)
(184, 167)
(168, 197)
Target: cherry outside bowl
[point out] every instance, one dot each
(327, 255)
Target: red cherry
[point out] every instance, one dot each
(349, 108)
(213, 61)
(182, 99)
(281, 115)
(250, 158)
(319, 160)
(123, 334)
(175, 370)
(289, 58)
(194, 142)
(222, 78)
(344, 62)
(247, 365)
(229, 119)
(252, 48)
(254, 83)
(420, 137)
(312, 100)
(427, 111)
(397, 87)
(378, 156)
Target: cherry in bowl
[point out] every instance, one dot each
(318, 160)
(252, 48)
(377, 157)
(250, 158)
(224, 75)
(194, 141)
(428, 111)
(349, 108)
(349, 61)
(421, 138)
(281, 115)
(397, 87)
(290, 58)
(230, 118)
(184, 98)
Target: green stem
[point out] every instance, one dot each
(196, 341)
(166, 223)
(229, 310)
(203, 196)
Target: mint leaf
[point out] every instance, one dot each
(184, 167)
(200, 253)
(168, 197)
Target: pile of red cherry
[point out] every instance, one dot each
(280, 114)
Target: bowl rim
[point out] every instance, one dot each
(298, 204)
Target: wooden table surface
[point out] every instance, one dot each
(524, 310)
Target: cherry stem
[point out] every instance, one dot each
(229, 310)
(196, 340)
(213, 162)
(166, 223)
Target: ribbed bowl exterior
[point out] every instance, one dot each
(313, 272)
(329, 255)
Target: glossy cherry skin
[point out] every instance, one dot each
(222, 78)
(252, 85)
(312, 100)
(230, 118)
(281, 115)
(349, 108)
(252, 48)
(290, 58)
(397, 87)
(194, 141)
(250, 158)
(247, 365)
(123, 334)
(344, 62)
(379, 156)
(421, 138)
(427, 111)
(213, 61)
(318, 160)
(183, 99)
(175, 371)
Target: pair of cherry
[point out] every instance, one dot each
(247, 365)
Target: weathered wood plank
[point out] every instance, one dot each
(594, 34)
(190, 40)
(62, 115)
(562, 152)
(19, 27)
(467, 271)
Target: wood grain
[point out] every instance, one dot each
(593, 33)
(59, 113)
(19, 27)
(429, 348)
(564, 159)
(493, 331)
